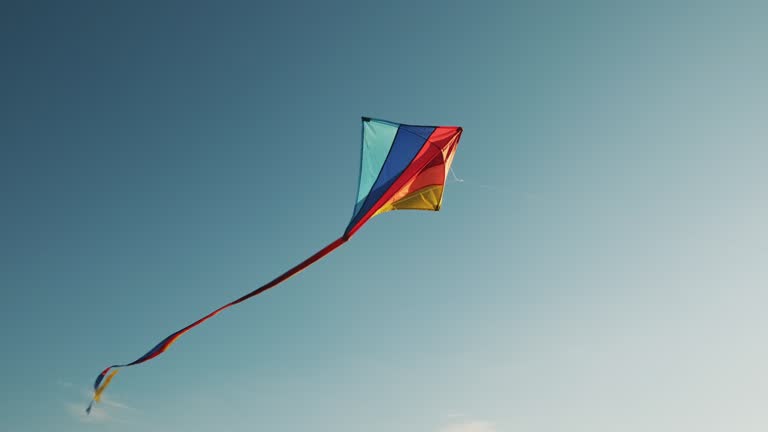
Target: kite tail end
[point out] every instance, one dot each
(99, 389)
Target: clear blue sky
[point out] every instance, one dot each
(602, 268)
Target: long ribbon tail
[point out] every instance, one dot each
(98, 387)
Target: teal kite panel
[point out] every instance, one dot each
(377, 140)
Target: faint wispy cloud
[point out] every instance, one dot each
(107, 410)
(115, 404)
(63, 383)
(77, 411)
(470, 426)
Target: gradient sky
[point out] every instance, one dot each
(602, 267)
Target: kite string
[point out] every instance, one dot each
(455, 177)
(458, 179)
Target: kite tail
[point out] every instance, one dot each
(98, 387)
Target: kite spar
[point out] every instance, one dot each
(402, 167)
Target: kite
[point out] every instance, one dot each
(402, 167)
